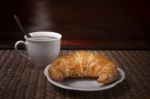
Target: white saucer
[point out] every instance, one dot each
(84, 84)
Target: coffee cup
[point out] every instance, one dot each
(42, 48)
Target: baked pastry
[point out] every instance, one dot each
(83, 64)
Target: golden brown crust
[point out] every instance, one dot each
(83, 64)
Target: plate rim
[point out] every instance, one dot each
(122, 77)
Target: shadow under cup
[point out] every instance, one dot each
(43, 47)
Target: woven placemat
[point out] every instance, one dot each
(19, 79)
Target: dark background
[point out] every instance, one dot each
(84, 24)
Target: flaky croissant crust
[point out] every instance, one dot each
(83, 64)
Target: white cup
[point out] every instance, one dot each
(41, 52)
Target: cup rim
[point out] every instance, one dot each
(54, 34)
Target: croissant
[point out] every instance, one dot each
(83, 64)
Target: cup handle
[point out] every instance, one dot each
(16, 48)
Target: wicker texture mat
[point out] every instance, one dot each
(19, 79)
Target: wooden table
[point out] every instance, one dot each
(19, 79)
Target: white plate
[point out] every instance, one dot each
(84, 84)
